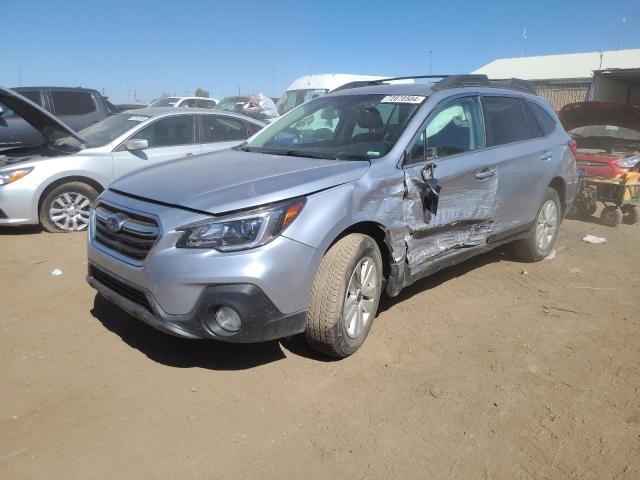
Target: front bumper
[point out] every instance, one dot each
(261, 320)
(18, 204)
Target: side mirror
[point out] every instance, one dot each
(137, 144)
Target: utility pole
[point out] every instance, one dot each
(430, 60)
(19, 77)
(524, 42)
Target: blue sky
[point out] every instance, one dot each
(159, 46)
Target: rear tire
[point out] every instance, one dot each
(344, 296)
(544, 232)
(66, 208)
(611, 216)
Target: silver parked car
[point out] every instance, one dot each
(356, 193)
(55, 183)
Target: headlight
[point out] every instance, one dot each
(241, 231)
(629, 162)
(10, 176)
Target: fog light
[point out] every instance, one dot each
(228, 319)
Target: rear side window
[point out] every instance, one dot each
(222, 129)
(72, 103)
(534, 128)
(546, 121)
(505, 120)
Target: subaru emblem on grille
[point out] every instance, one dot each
(115, 222)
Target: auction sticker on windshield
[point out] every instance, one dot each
(403, 99)
(137, 118)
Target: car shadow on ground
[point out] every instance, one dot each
(445, 275)
(26, 230)
(182, 353)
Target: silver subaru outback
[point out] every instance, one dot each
(358, 193)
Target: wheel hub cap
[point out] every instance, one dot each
(360, 298)
(70, 211)
(546, 225)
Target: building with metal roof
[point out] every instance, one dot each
(611, 75)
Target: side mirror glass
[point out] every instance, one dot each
(137, 144)
(1, 111)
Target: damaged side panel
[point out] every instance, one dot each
(464, 217)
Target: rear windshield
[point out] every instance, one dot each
(343, 127)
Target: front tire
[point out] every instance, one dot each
(344, 296)
(66, 207)
(544, 232)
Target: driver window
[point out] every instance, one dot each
(455, 128)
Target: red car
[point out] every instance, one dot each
(607, 136)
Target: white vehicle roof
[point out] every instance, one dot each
(329, 81)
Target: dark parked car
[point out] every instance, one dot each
(76, 107)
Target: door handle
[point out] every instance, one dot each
(486, 173)
(190, 154)
(546, 156)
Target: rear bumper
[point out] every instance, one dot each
(261, 319)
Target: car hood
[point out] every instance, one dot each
(234, 180)
(49, 126)
(583, 114)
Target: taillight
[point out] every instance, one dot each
(573, 146)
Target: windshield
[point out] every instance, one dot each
(232, 104)
(110, 128)
(345, 127)
(165, 102)
(292, 98)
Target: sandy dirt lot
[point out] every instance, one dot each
(493, 369)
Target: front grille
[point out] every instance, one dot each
(128, 292)
(126, 232)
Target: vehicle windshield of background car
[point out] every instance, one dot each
(110, 128)
(165, 102)
(343, 127)
(292, 98)
(232, 104)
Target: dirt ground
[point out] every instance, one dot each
(493, 369)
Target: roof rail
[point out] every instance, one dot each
(452, 81)
(515, 84)
(366, 83)
(457, 81)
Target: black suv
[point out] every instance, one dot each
(77, 107)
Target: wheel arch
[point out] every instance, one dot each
(97, 186)
(380, 235)
(560, 186)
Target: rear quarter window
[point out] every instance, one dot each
(505, 120)
(73, 103)
(546, 121)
